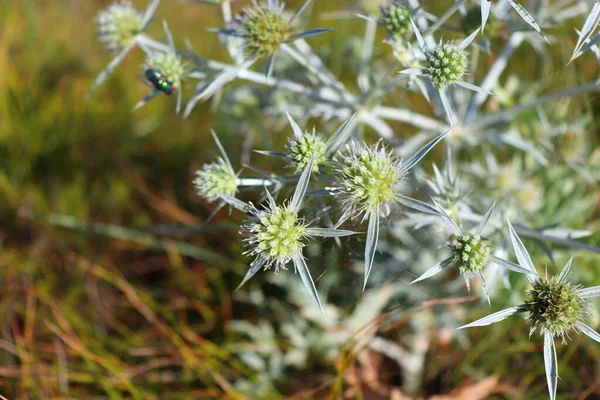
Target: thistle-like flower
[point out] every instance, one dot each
(169, 65)
(306, 145)
(217, 179)
(445, 65)
(470, 253)
(118, 25)
(395, 18)
(555, 307)
(264, 28)
(302, 149)
(370, 178)
(277, 234)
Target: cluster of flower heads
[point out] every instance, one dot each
(368, 179)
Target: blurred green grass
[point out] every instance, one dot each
(89, 316)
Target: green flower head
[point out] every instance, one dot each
(302, 149)
(168, 64)
(275, 235)
(470, 254)
(263, 27)
(369, 178)
(554, 307)
(395, 18)
(446, 64)
(118, 25)
(216, 179)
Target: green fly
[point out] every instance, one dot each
(159, 81)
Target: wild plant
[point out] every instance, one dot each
(513, 149)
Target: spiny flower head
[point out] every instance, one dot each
(369, 177)
(554, 307)
(303, 148)
(263, 27)
(275, 235)
(470, 254)
(216, 179)
(168, 64)
(118, 25)
(395, 17)
(446, 64)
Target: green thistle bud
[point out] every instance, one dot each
(470, 254)
(215, 179)
(446, 64)
(168, 64)
(264, 28)
(369, 178)
(276, 234)
(554, 307)
(302, 149)
(395, 17)
(118, 25)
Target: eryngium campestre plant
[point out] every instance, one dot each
(118, 25)
(395, 18)
(446, 64)
(302, 149)
(263, 27)
(555, 307)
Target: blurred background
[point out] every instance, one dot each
(113, 286)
